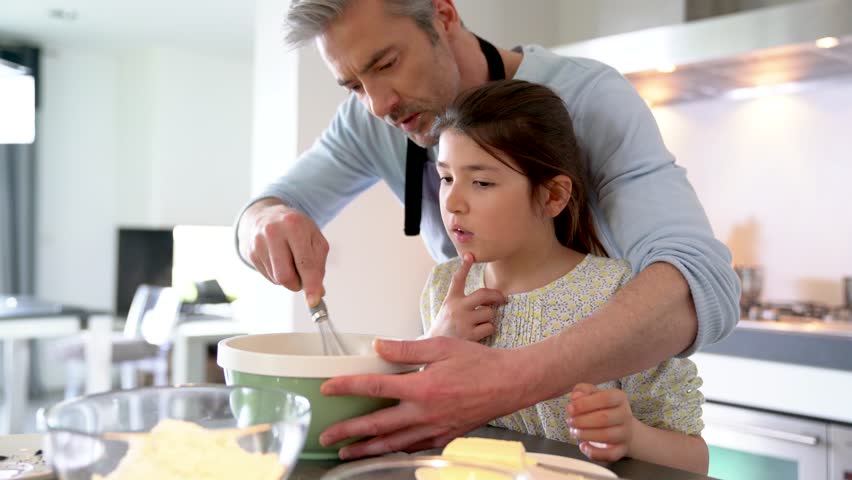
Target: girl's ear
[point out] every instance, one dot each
(556, 195)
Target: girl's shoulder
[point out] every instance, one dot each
(616, 269)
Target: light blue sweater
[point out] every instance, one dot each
(643, 206)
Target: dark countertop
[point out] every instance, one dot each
(628, 468)
(814, 344)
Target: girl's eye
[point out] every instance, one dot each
(482, 184)
(446, 179)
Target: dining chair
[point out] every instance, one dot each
(142, 347)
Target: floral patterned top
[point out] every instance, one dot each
(665, 397)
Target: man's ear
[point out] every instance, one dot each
(446, 15)
(555, 195)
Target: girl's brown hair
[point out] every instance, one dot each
(530, 124)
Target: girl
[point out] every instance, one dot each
(513, 201)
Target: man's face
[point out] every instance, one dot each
(392, 66)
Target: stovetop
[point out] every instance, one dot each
(797, 312)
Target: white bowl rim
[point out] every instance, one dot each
(303, 366)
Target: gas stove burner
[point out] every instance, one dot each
(839, 314)
(775, 311)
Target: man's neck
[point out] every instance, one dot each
(472, 64)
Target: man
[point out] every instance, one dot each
(403, 61)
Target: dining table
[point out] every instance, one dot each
(23, 319)
(626, 468)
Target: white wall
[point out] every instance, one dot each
(141, 137)
(774, 174)
(199, 134)
(76, 171)
(507, 23)
(582, 19)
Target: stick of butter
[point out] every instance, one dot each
(502, 454)
(489, 451)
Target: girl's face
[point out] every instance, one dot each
(486, 206)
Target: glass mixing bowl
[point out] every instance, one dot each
(91, 435)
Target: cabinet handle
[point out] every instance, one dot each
(770, 433)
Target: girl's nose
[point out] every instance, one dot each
(454, 200)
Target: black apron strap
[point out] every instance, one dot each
(415, 163)
(496, 69)
(417, 156)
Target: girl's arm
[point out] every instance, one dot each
(606, 430)
(665, 447)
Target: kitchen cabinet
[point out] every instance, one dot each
(779, 403)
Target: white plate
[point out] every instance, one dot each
(22, 460)
(538, 473)
(581, 466)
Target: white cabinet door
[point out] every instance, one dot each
(754, 445)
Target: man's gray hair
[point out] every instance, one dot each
(308, 19)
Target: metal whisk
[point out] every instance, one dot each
(330, 343)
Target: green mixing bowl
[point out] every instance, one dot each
(294, 362)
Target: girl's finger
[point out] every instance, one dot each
(607, 435)
(600, 419)
(600, 400)
(583, 389)
(482, 314)
(610, 453)
(484, 297)
(460, 277)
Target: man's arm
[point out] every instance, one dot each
(326, 177)
(647, 321)
(651, 214)
(465, 385)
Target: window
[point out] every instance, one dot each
(17, 104)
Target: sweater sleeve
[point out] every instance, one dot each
(652, 209)
(667, 396)
(340, 165)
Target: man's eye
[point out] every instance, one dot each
(356, 88)
(387, 65)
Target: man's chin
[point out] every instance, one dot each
(422, 139)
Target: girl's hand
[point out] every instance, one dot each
(468, 317)
(601, 421)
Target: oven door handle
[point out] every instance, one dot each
(772, 433)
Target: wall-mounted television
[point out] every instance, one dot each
(145, 256)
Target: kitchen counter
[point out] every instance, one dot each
(628, 468)
(807, 343)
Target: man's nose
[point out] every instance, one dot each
(382, 100)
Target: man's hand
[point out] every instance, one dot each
(468, 317)
(453, 395)
(285, 246)
(601, 421)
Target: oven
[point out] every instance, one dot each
(768, 420)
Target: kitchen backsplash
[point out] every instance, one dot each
(773, 174)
